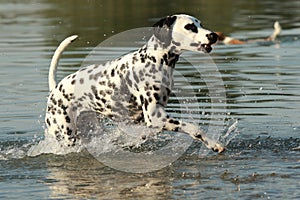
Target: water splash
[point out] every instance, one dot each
(231, 133)
(50, 145)
(13, 151)
(115, 136)
(105, 136)
(130, 147)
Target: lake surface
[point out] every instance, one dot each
(262, 93)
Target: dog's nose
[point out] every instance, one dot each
(212, 37)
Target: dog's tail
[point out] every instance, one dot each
(55, 60)
(276, 32)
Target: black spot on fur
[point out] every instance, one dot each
(164, 98)
(109, 92)
(155, 88)
(59, 102)
(60, 88)
(82, 69)
(69, 131)
(48, 121)
(146, 104)
(53, 101)
(168, 91)
(136, 78)
(122, 67)
(199, 137)
(112, 73)
(128, 80)
(192, 27)
(167, 21)
(147, 64)
(68, 120)
(176, 43)
(176, 122)
(95, 92)
(158, 114)
(101, 82)
(194, 44)
(165, 59)
(153, 114)
(153, 59)
(156, 96)
(142, 99)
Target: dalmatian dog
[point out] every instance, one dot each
(136, 85)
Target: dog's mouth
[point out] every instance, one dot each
(205, 48)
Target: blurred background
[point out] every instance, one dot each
(92, 19)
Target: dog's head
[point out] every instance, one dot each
(184, 32)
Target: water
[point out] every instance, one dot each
(262, 93)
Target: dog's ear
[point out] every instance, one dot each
(165, 22)
(162, 29)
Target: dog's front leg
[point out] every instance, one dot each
(156, 116)
(197, 133)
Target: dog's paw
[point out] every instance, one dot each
(218, 148)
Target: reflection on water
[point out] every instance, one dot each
(262, 92)
(92, 178)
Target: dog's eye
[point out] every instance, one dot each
(191, 27)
